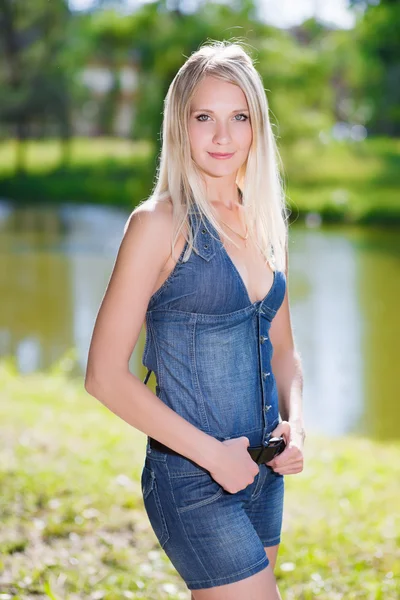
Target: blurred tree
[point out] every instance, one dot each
(32, 73)
(377, 35)
(300, 96)
(302, 68)
(159, 36)
(111, 39)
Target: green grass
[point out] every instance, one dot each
(350, 182)
(74, 526)
(100, 171)
(43, 156)
(356, 182)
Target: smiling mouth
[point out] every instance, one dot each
(220, 155)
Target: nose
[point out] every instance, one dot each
(221, 134)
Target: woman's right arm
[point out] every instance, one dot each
(143, 252)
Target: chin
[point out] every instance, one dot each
(226, 166)
(219, 172)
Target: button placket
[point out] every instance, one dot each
(262, 338)
(265, 374)
(267, 407)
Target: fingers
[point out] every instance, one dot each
(282, 429)
(293, 467)
(291, 458)
(288, 456)
(290, 461)
(285, 471)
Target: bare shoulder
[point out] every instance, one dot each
(149, 220)
(149, 230)
(144, 249)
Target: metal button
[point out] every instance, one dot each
(263, 338)
(206, 246)
(265, 375)
(267, 408)
(203, 230)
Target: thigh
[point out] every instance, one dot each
(272, 553)
(264, 506)
(246, 587)
(260, 586)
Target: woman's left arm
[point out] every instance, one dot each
(287, 369)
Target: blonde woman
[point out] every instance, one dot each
(203, 263)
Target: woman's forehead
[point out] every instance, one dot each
(212, 93)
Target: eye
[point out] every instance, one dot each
(243, 119)
(242, 115)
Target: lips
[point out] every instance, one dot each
(221, 155)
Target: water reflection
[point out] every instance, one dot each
(327, 328)
(55, 264)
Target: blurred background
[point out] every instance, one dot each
(81, 90)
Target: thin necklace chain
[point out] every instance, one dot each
(244, 237)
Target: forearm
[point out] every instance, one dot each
(131, 400)
(289, 380)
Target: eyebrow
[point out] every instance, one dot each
(211, 111)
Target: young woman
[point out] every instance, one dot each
(203, 262)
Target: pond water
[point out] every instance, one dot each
(344, 290)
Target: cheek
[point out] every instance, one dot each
(242, 136)
(247, 137)
(250, 137)
(195, 137)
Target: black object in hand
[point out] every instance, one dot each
(263, 454)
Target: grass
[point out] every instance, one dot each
(350, 182)
(100, 171)
(74, 526)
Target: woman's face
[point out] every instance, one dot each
(219, 123)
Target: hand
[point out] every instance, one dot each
(235, 469)
(290, 461)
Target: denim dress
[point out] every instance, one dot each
(208, 345)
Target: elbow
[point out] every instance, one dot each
(93, 381)
(89, 385)
(103, 380)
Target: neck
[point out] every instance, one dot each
(231, 206)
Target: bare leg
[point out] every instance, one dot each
(260, 586)
(272, 553)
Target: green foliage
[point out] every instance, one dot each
(354, 182)
(36, 78)
(313, 75)
(377, 36)
(74, 525)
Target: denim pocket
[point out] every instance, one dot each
(195, 490)
(153, 506)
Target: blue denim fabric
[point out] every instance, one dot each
(209, 348)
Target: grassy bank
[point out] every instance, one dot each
(74, 527)
(354, 182)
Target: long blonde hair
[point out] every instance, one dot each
(258, 180)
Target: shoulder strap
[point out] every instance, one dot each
(149, 372)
